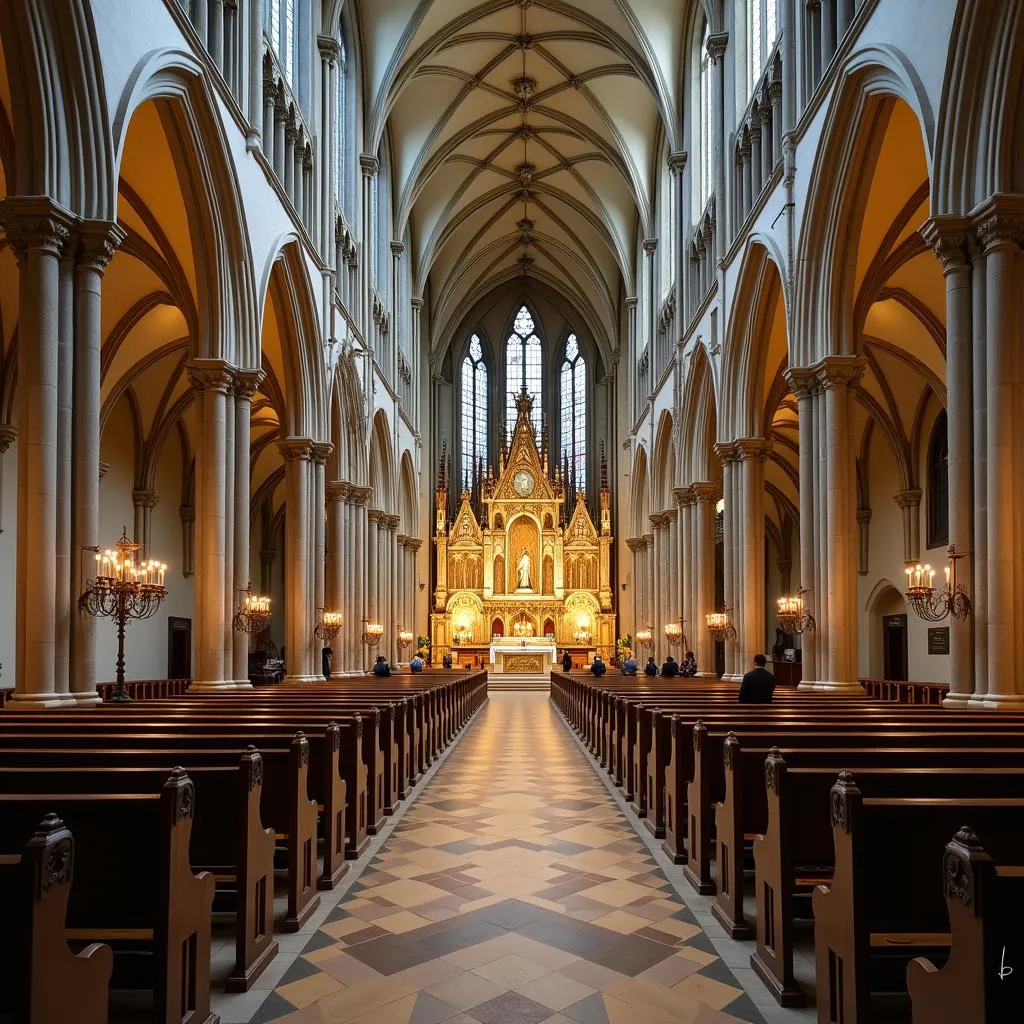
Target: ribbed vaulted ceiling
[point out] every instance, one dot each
(524, 137)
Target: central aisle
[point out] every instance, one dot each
(513, 892)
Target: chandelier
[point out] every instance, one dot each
(931, 605)
(405, 638)
(372, 633)
(122, 591)
(254, 615)
(720, 625)
(675, 634)
(643, 638)
(793, 616)
(329, 626)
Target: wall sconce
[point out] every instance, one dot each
(793, 615)
(720, 625)
(329, 626)
(372, 633)
(675, 634)
(931, 605)
(643, 638)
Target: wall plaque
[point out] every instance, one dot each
(938, 640)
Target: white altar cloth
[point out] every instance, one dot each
(523, 654)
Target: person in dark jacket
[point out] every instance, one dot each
(758, 684)
(446, 661)
(598, 667)
(566, 662)
(381, 668)
(325, 661)
(651, 668)
(670, 667)
(689, 666)
(629, 666)
(416, 665)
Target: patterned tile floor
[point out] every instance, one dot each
(512, 892)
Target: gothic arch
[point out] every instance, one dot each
(408, 507)
(664, 464)
(382, 464)
(981, 113)
(639, 497)
(699, 421)
(870, 80)
(348, 423)
(227, 297)
(747, 377)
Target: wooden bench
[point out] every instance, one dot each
(41, 980)
(228, 838)
(134, 889)
(884, 903)
(983, 977)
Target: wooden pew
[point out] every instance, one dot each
(882, 905)
(134, 889)
(41, 980)
(983, 978)
(227, 839)
(286, 805)
(797, 852)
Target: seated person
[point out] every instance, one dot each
(598, 667)
(689, 666)
(758, 684)
(417, 663)
(629, 665)
(651, 668)
(446, 661)
(566, 662)
(670, 667)
(381, 666)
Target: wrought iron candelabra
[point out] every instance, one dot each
(720, 625)
(934, 605)
(793, 615)
(124, 591)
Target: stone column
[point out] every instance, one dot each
(979, 594)
(1001, 230)
(359, 497)
(716, 46)
(37, 230)
(372, 565)
(255, 73)
(676, 166)
(683, 498)
(8, 435)
(97, 243)
(211, 379)
(657, 569)
(753, 454)
(731, 556)
(949, 243)
(144, 501)
(863, 539)
(247, 383)
(706, 497)
(330, 53)
(394, 587)
(673, 611)
(334, 586)
(369, 165)
(63, 600)
(228, 638)
(838, 376)
(321, 453)
(297, 453)
(909, 503)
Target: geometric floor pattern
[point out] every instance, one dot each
(513, 892)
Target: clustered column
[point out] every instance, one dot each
(297, 453)
(705, 500)
(730, 543)
(753, 453)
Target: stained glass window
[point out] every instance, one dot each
(574, 413)
(474, 412)
(524, 365)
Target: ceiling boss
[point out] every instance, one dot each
(522, 569)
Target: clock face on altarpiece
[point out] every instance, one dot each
(523, 483)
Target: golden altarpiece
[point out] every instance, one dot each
(527, 578)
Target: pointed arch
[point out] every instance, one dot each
(700, 421)
(664, 464)
(382, 464)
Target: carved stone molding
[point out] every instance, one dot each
(904, 499)
(98, 241)
(949, 239)
(145, 498)
(35, 223)
(359, 495)
(248, 382)
(683, 496)
(322, 452)
(369, 165)
(802, 381)
(754, 448)
(704, 491)
(716, 45)
(839, 372)
(295, 448)
(8, 435)
(677, 162)
(727, 451)
(337, 491)
(211, 375)
(650, 246)
(329, 48)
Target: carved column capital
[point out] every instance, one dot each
(754, 448)
(295, 449)
(321, 452)
(706, 491)
(210, 375)
(716, 45)
(397, 248)
(8, 435)
(369, 164)
(35, 223)
(650, 246)
(677, 161)
(839, 372)
(949, 239)
(336, 491)
(631, 302)
(904, 499)
(802, 381)
(683, 495)
(98, 241)
(145, 498)
(727, 451)
(1000, 221)
(358, 495)
(247, 383)
(329, 49)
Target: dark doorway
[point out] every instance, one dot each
(179, 648)
(894, 646)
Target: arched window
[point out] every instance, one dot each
(702, 178)
(524, 367)
(938, 483)
(281, 25)
(474, 412)
(762, 32)
(574, 413)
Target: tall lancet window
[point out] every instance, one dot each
(474, 412)
(524, 366)
(574, 413)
